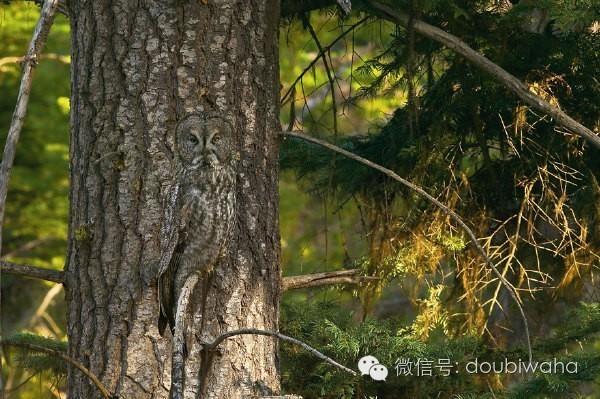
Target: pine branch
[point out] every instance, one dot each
(509, 287)
(508, 80)
(253, 331)
(29, 271)
(351, 276)
(62, 355)
(38, 40)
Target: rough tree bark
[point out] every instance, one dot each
(137, 68)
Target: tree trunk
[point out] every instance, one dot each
(138, 68)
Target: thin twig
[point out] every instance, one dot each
(351, 276)
(508, 80)
(21, 384)
(63, 59)
(316, 59)
(35, 47)
(332, 79)
(514, 242)
(30, 271)
(28, 246)
(511, 289)
(64, 357)
(330, 76)
(48, 298)
(254, 331)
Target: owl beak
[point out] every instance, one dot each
(209, 159)
(197, 161)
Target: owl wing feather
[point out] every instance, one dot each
(166, 290)
(174, 229)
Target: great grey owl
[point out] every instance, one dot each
(345, 5)
(201, 207)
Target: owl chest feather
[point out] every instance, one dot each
(209, 199)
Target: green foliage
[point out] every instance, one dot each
(472, 144)
(581, 323)
(34, 360)
(326, 326)
(35, 229)
(567, 15)
(35, 225)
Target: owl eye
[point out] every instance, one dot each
(193, 139)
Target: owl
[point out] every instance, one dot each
(200, 212)
(345, 5)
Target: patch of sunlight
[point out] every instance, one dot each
(58, 148)
(57, 262)
(305, 252)
(64, 104)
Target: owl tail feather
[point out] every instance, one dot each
(165, 320)
(162, 324)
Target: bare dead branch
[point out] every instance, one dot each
(29, 271)
(20, 385)
(510, 288)
(253, 331)
(35, 47)
(62, 6)
(508, 80)
(178, 362)
(63, 356)
(351, 276)
(48, 298)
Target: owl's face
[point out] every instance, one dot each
(204, 141)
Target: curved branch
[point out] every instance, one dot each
(64, 357)
(253, 331)
(508, 80)
(511, 289)
(351, 276)
(29, 271)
